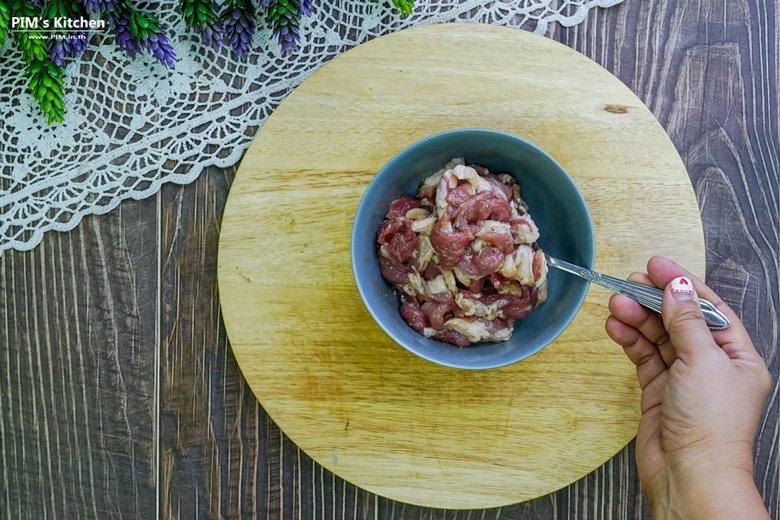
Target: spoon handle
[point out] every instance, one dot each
(645, 295)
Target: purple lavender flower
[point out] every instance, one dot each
(239, 26)
(96, 5)
(289, 38)
(158, 45)
(284, 19)
(79, 45)
(62, 49)
(57, 52)
(122, 35)
(150, 37)
(211, 36)
(305, 7)
(201, 16)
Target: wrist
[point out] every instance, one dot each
(706, 491)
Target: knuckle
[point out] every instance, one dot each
(685, 317)
(644, 358)
(662, 339)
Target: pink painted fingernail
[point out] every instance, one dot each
(682, 289)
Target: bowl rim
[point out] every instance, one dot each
(567, 319)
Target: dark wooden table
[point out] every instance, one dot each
(119, 394)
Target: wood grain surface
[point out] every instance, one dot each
(120, 397)
(323, 369)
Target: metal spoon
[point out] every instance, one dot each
(645, 295)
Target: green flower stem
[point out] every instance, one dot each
(5, 17)
(31, 42)
(142, 24)
(199, 13)
(47, 87)
(405, 6)
(57, 9)
(44, 78)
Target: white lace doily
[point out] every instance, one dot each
(131, 125)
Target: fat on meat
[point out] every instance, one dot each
(462, 255)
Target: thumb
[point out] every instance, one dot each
(682, 317)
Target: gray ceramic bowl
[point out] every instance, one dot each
(555, 203)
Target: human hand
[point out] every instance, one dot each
(703, 395)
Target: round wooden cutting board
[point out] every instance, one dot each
(361, 405)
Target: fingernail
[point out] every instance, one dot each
(682, 289)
